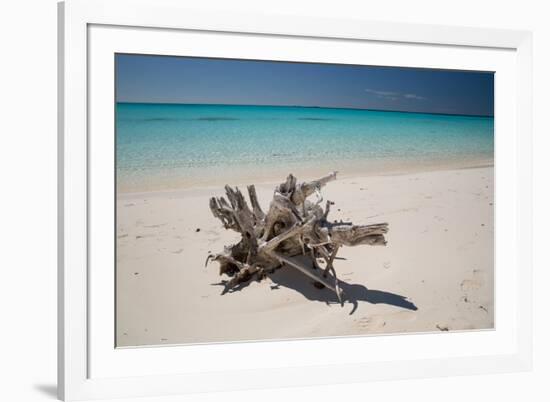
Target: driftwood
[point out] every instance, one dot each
(292, 226)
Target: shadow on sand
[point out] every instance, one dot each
(353, 293)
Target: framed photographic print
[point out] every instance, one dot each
(274, 197)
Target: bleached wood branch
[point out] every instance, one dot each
(292, 226)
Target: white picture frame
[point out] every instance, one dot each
(88, 367)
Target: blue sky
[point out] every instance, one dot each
(166, 79)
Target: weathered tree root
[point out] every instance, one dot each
(292, 226)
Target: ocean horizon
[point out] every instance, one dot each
(168, 145)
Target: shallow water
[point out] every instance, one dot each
(162, 146)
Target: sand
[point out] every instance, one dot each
(435, 274)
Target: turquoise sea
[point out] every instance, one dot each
(163, 146)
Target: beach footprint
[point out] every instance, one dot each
(475, 282)
(371, 323)
(155, 226)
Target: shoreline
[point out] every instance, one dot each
(309, 175)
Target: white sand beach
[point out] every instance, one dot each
(435, 274)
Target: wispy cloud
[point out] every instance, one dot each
(390, 95)
(413, 96)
